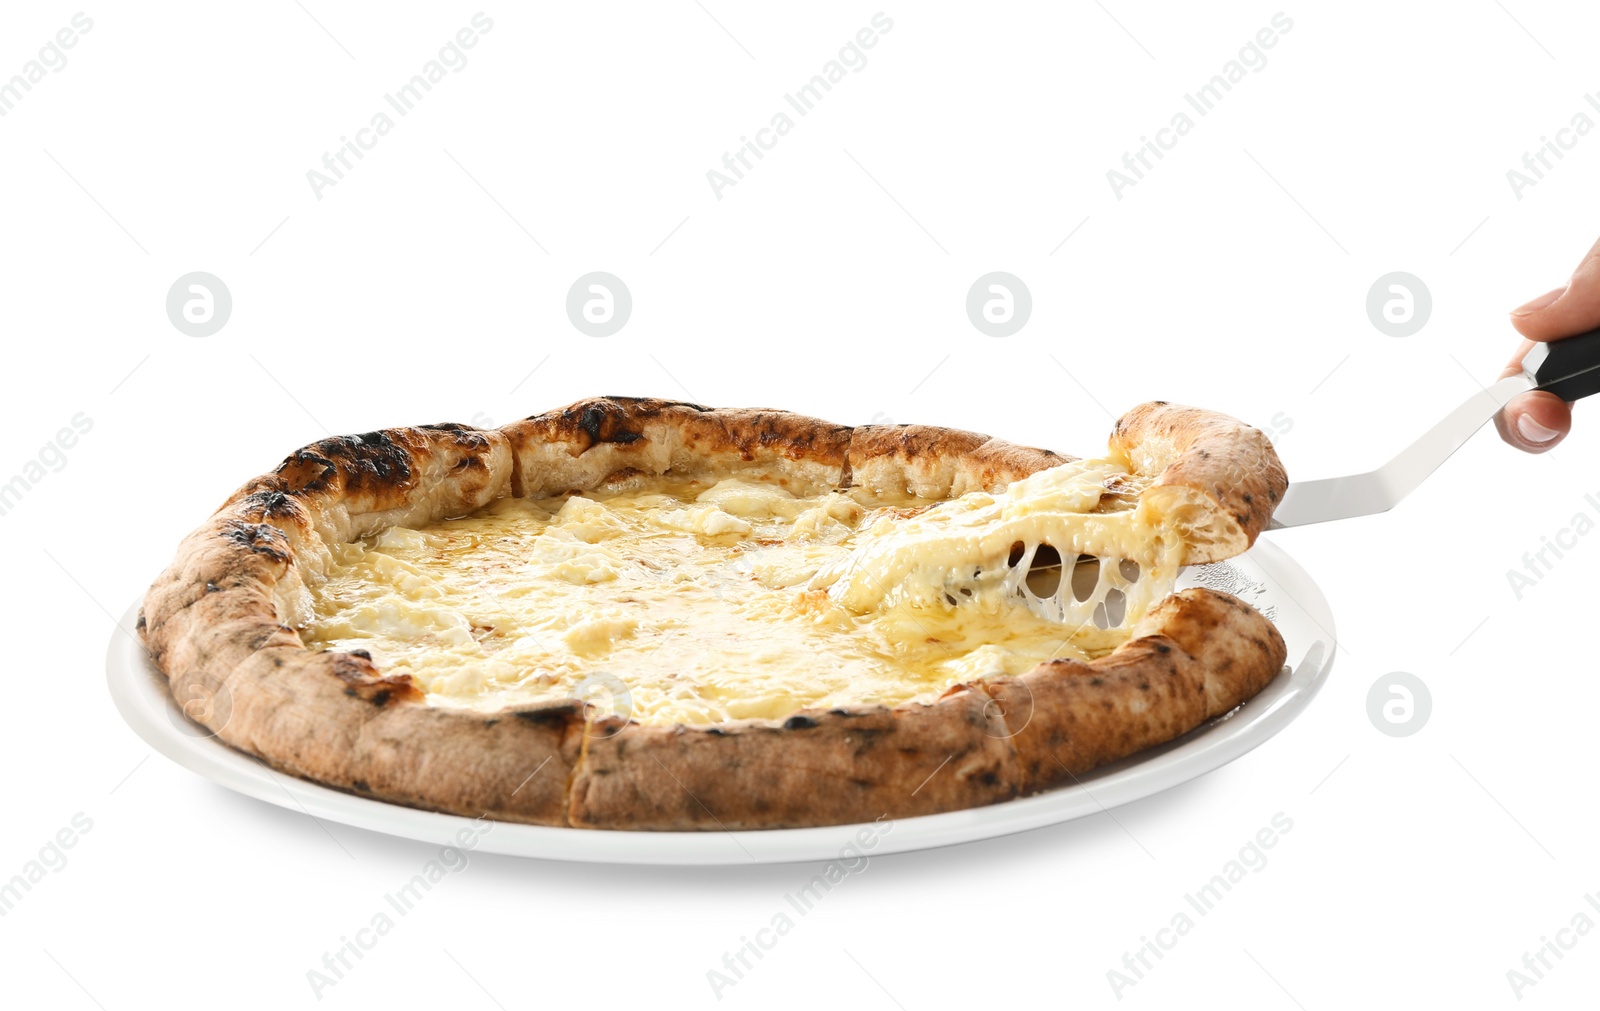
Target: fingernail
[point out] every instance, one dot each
(1539, 303)
(1534, 432)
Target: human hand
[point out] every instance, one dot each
(1536, 421)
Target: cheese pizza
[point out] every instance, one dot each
(641, 614)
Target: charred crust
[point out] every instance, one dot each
(653, 406)
(547, 716)
(371, 461)
(362, 680)
(257, 538)
(271, 504)
(307, 472)
(346, 484)
(620, 476)
(260, 640)
(600, 424)
(465, 436)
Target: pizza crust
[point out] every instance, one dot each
(1221, 479)
(220, 624)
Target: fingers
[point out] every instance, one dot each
(1533, 422)
(1566, 311)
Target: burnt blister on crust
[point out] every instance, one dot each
(370, 461)
(463, 436)
(271, 504)
(383, 467)
(305, 473)
(362, 679)
(601, 426)
(257, 538)
(551, 714)
(377, 463)
(604, 420)
(750, 433)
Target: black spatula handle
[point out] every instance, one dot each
(1569, 368)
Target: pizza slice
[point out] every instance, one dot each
(641, 614)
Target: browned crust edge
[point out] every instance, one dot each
(217, 623)
(1222, 477)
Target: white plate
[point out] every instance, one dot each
(1265, 577)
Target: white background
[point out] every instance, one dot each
(831, 280)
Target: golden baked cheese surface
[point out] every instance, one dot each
(695, 602)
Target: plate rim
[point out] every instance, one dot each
(138, 690)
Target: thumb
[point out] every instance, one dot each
(1566, 311)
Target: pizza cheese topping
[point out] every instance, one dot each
(983, 546)
(695, 602)
(419, 615)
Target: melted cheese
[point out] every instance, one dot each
(978, 546)
(689, 602)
